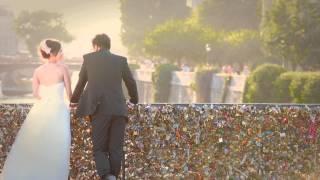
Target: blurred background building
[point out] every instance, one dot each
(8, 38)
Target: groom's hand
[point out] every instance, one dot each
(129, 103)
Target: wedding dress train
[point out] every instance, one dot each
(41, 150)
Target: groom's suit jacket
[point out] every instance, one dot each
(100, 85)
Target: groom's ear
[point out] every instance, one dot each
(95, 47)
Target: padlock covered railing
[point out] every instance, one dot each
(199, 140)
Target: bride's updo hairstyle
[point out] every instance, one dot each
(49, 47)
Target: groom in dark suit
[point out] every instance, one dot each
(98, 94)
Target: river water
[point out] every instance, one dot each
(28, 98)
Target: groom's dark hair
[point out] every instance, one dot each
(102, 41)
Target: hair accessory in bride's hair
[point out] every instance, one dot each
(44, 47)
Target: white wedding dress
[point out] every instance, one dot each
(41, 150)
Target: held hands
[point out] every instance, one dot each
(133, 101)
(73, 106)
(130, 104)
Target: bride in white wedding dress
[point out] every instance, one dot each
(41, 150)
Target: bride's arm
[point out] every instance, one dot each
(67, 81)
(35, 84)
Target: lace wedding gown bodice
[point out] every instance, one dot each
(42, 147)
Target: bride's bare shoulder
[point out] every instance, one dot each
(63, 66)
(39, 68)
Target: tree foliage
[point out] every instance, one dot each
(230, 15)
(178, 40)
(161, 80)
(291, 31)
(141, 16)
(243, 46)
(36, 26)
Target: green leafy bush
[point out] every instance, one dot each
(260, 85)
(305, 88)
(227, 83)
(202, 84)
(282, 84)
(311, 93)
(292, 87)
(161, 80)
(296, 87)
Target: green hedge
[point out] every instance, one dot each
(311, 93)
(270, 83)
(282, 84)
(260, 85)
(203, 82)
(227, 83)
(299, 87)
(161, 80)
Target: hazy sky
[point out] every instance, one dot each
(84, 19)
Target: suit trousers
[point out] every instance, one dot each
(108, 133)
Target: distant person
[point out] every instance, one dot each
(246, 70)
(237, 69)
(41, 150)
(229, 69)
(224, 69)
(185, 68)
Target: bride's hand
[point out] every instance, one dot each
(73, 106)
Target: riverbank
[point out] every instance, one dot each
(15, 100)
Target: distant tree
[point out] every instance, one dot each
(36, 26)
(141, 16)
(178, 41)
(230, 15)
(291, 32)
(241, 47)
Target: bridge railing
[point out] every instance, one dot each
(181, 141)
